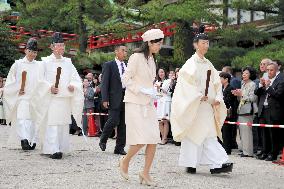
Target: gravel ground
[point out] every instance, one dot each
(87, 167)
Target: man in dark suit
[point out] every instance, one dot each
(112, 92)
(257, 131)
(270, 111)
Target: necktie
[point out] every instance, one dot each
(122, 68)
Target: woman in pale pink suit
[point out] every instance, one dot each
(140, 114)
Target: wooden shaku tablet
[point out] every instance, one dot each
(24, 78)
(58, 73)
(207, 82)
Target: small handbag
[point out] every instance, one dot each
(246, 109)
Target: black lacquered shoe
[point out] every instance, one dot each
(102, 146)
(191, 170)
(226, 168)
(119, 152)
(262, 156)
(33, 146)
(270, 157)
(57, 155)
(25, 144)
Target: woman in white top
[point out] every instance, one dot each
(164, 86)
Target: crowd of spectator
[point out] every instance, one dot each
(256, 97)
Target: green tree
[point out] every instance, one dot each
(273, 51)
(245, 36)
(182, 12)
(223, 56)
(82, 17)
(8, 50)
(86, 61)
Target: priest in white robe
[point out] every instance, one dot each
(196, 117)
(17, 99)
(55, 104)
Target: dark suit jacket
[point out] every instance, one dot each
(230, 100)
(235, 83)
(275, 98)
(111, 86)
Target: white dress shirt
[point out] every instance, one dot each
(271, 82)
(120, 69)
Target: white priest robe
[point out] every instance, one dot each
(197, 124)
(54, 110)
(17, 107)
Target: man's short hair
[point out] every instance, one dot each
(225, 75)
(118, 46)
(228, 69)
(267, 60)
(274, 64)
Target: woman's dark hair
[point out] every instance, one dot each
(225, 76)
(145, 47)
(252, 72)
(158, 78)
(97, 78)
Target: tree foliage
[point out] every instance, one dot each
(8, 50)
(182, 12)
(253, 58)
(246, 36)
(71, 16)
(86, 17)
(86, 61)
(223, 56)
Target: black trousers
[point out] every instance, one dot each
(103, 118)
(271, 137)
(115, 118)
(257, 135)
(73, 126)
(229, 137)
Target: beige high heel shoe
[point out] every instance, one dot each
(123, 174)
(143, 180)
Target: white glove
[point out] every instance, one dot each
(150, 92)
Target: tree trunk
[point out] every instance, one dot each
(183, 41)
(83, 36)
(225, 12)
(238, 16)
(281, 10)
